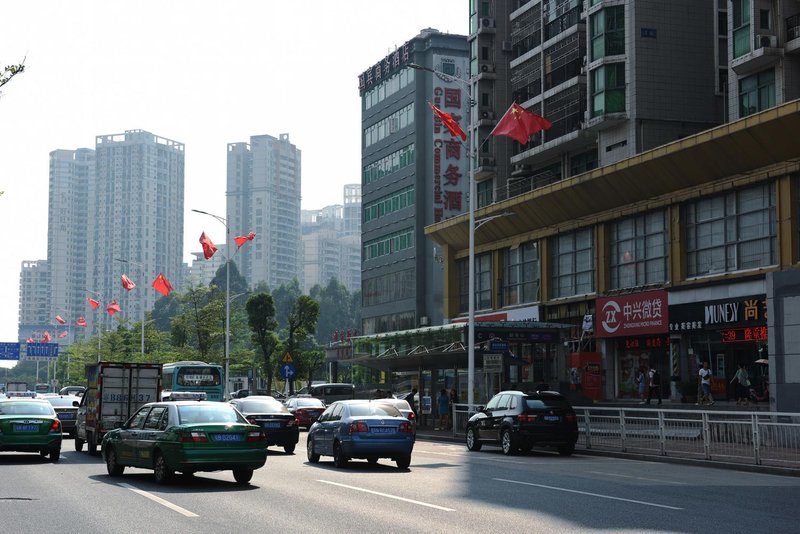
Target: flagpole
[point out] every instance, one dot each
(141, 298)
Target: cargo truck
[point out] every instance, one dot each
(114, 391)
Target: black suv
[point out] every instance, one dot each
(518, 421)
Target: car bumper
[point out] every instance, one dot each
(29, 443)
(382, 448)
(221, 459)
(282, 437)
(548, 436)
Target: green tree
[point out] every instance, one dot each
(238, 282)
(9, 71)
(335, 310)
(301, 323)
(165, 310)
(285, 298)
(261, 319)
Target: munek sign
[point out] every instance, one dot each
(637, 314)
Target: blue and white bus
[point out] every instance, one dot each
(208, 378)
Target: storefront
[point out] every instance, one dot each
(725, 333)
(635, 331)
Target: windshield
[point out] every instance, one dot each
(208, 413)
(360, 410)
(62, 401)
(261, 406)
(26, 408)
(198, 376)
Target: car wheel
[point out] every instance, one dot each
(472, 440)
(507, 442)
(289, 448)
(113, 468)
(566, 450)
(312, 456)
(91, 444)
(161, 471)
(339, 459)
(372, 460)
(78, 444)
(403, 461)
(55, 455)
(242, 476)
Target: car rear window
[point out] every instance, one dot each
(62, 401)
(261, 406)
(208, 413)
(539, 403)
(360, 410)
(305, 403)
(399, 404)
(26, 408)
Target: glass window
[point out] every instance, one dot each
(638, 248)
(608, 89)
(522, 274)
(138, 418)
(485, 193)
(199, 376)
(608, 32)
(757, 93)
(741, 27)
(483, 282)
(733, 231)
(573, 263)
(152, 421)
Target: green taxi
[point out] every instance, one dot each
(186, 436)
(30, 425)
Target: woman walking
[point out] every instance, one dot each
(742, 385)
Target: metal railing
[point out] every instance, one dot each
(758, 438)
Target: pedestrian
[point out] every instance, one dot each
(443, 406)
(641, 383)
(655, 385)
(705, 375)
(453, 401)
(742, 385)
(411, 400)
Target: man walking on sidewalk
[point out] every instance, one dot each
(705, 383)
(655, 385)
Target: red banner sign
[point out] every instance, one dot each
(637, 314)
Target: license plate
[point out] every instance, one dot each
(552, 418)
(66, 415)
(271, 425)
(382, 430)
(26, 428)
(226, 437)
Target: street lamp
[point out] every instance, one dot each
(99, 325)
(141, 299)
(471, 261)
(227, 296)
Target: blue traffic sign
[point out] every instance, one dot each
(9, 351)
(287, 371)
(43, 350)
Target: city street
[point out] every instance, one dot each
(446, 489)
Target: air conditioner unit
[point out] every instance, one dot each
(487, 162)
(487, 22)
(506, 46)
(767, 41)
(487, 115)
(486, 67)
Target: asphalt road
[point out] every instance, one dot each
(447, 489)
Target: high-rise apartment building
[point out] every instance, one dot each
(135, 218)
(414, 173)
(263, 196)
(34, 301)
(202, 271)
(331, 243)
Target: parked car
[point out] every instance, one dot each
(66, 407)
(518, 421)
(30, 425)
(186, 436)
(305, 409)
(72, 390)
(403, 407)
(279, 424)
(361, 429)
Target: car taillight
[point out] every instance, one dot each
(56, 426)
(571, 418)
(252, 420)
(527, 418)
(412, 416)
(361, 426)
(193, 437)
(405, 427)
(256, 436)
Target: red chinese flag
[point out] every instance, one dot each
(208, 247)
(242, 239)
(93, 303)
(127, 283)
(113, 308)
(46, 337)
(162, 285)
(449, 122)
(519, 124)
(81, 322)
(63, 334)
(30, 340)
(60, 320)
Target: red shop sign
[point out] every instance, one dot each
(638, 314)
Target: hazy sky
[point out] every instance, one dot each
(204, 73)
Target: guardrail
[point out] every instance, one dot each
(757, 438)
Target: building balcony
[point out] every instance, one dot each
(485, 166)
(792, 45)
(765, 53)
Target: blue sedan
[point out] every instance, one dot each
(361, 429)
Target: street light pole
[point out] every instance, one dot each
(471, 150)
(141, 299)
(227, 297)
(99, 324)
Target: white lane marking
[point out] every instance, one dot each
(588, 493)
(387, 495)
(639, 478)
(488, 459)
(159, 500)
